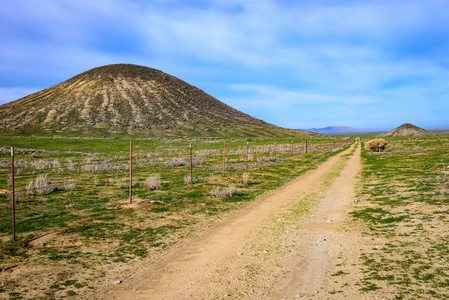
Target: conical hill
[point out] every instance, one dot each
(131, 99)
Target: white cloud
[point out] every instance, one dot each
(284, 55)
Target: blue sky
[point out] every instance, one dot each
(297, 64)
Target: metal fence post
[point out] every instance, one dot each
(224, 158)
(130, 171)
(263, 150)
(191, 167)
(13, 197)
(247, 147)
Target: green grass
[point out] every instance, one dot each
(403, 199)
(94, 225)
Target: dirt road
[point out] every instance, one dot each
(283, 246)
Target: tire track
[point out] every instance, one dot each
(254, 252)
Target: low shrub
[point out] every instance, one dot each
(225, 193)
(154, 182)
(69, 186)
(377, 145)
(43, 186)
(245, 178)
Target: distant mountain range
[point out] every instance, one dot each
(334, 129)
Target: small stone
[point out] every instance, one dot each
(117, 282)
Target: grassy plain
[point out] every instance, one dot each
(403, 206)
(85, 227)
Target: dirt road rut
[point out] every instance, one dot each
(283, 246)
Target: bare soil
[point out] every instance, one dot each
(286, 245)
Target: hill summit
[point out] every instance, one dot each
(407, 129)
(125, 98)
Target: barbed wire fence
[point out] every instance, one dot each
(39, 176)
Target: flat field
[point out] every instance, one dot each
(75, 226)
(402, 207)
(332, 233)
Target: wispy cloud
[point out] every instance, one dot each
(344, 55)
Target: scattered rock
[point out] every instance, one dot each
(117, 282)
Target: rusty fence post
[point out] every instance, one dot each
(191, 167)
(224, 158)
(274, 152)
(283, 153)
(263, 150)
(130, 172)
(13, 197)
(247, 149)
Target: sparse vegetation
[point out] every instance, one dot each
(245, 178)
(43, 186)
(403, 204)
(224, 193)
(153, 182)
(95, 225)
(70, 186)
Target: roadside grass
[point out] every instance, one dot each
(403, 204)
(86, 225)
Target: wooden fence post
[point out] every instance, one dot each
(306, 146)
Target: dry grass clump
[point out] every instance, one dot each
(225, 193)
(187, 180)
(42, 185)
(69, 186)
(176, 162)
(245, 178)
(377, 145)
(120, 182)
(153, 182)
(30, 188)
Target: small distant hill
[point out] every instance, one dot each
(334, 129)
(130, 99)
(407, 129)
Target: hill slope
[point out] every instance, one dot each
(131, 99)
(407, 129)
